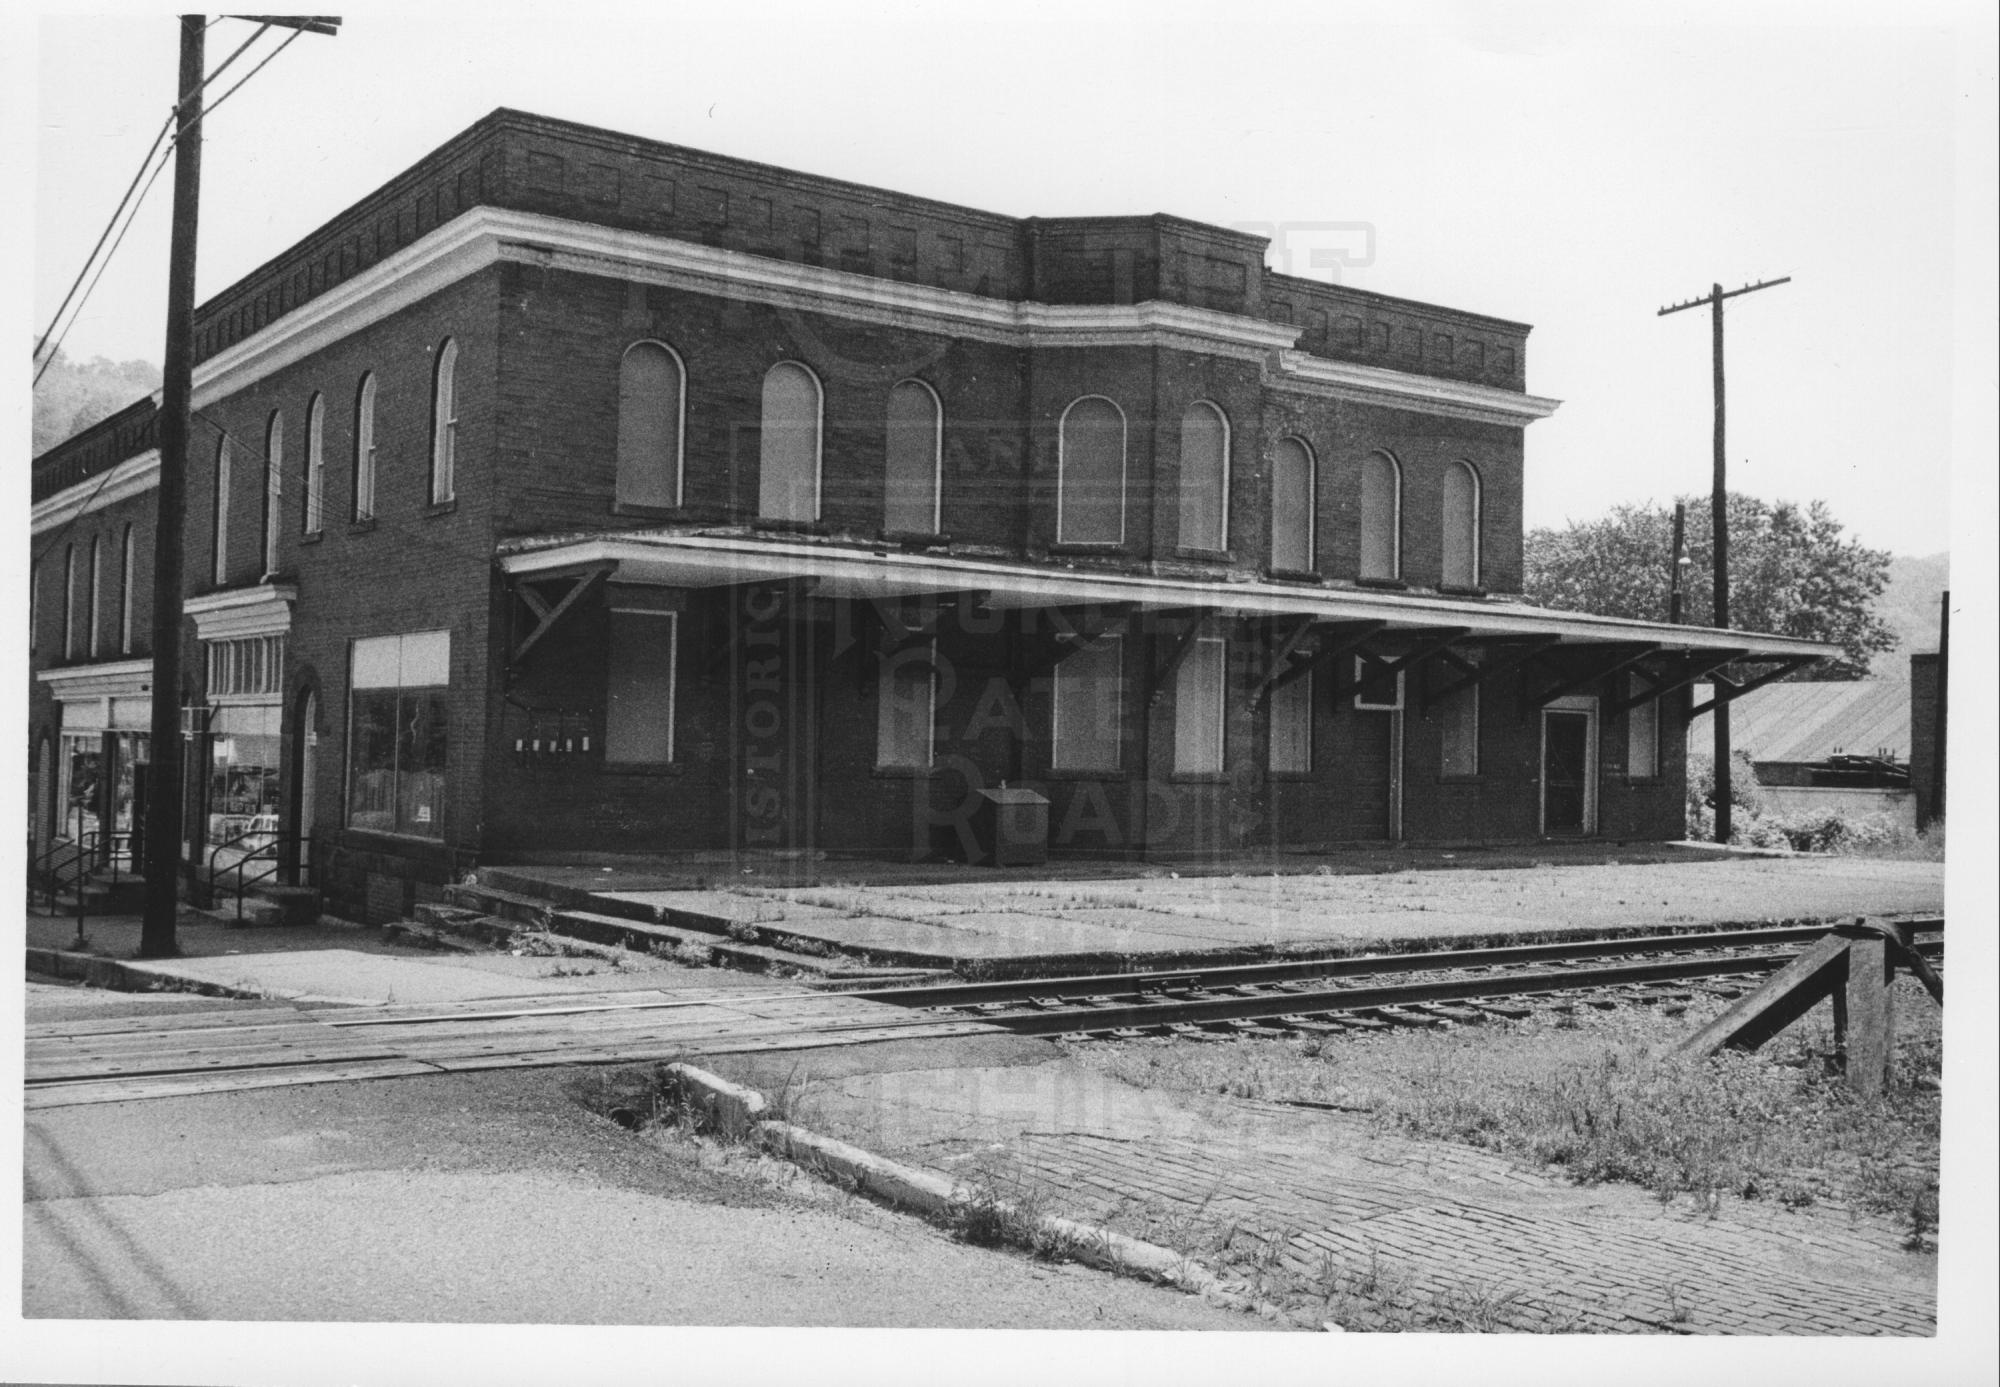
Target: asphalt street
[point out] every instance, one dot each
(486, 1198)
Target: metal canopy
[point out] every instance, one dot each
(713, 558)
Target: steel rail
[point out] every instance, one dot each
(1210, 1010)
(1440, 960)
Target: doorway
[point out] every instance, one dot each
(1569, 768)
(305, 785)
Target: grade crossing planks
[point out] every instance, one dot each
(138, 1058)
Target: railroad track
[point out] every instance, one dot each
(1380, 991)
(72, 1060)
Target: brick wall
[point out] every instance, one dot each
(414, 567)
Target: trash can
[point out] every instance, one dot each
(1011, 827)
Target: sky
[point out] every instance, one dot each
(1575, 167)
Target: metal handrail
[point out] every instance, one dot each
(85, 846)
(244, 881)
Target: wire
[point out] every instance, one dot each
(165, 126)
(137, 175)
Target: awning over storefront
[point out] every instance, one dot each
(710, 560)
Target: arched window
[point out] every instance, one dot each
(1461, 526)
(788, 456)
(1090, 473)
(221, 569)
(913, 455)
(650, 399)
(274, 487)
(69, 602)
(315, 518)
(1292, 502)
(96, 569)
(1204, 478)
(444, 423)
(1381, 517)
(125, 597)
(364, 449)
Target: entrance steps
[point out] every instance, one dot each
(492, 916)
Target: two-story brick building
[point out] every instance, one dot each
(578, 494)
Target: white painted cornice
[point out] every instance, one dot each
(486, 236)
(113, 679)
(264, 610)
(136, 474)
(1373, 385)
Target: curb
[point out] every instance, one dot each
(120, 976)
(739, 1113)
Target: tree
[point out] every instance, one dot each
(1791, 573)
(73, 395)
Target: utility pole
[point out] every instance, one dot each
(1720, 537)
(1677, 569)
(166, 781)
(163, 801)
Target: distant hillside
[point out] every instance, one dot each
(1909, 607)
(73, 395)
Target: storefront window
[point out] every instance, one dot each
(243, 777)
(398, 734)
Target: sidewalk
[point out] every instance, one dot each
(1255, 1189)
(1034, 920)
(327, 964)
(1153, 917)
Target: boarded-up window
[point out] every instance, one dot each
(1461, 526)
(1291, 727)
(274, 487)
(1381, 517)
(1292, 507)
(1204, 478)
(1198, 700)
(92, 604)
(639, 688)
(315, 466)
(444, 424)
(125, 597)
(788, 453)
(910, 476)
(69, 602)
(1089, 692)
(220, 569)
(1642, 735)
(905, 707)
(1460, 751)
(649, 426)
(1090, 504)
(364, 449)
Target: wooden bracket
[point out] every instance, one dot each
(1728, 690)
(1280, 657)
(1183, 642)
(1480, 673)
(1695, 668)
(1345, 640)
(1385, 670)
(547, 614)
(1569, 686)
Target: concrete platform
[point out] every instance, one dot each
(987, 921)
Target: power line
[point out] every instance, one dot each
(165, 126)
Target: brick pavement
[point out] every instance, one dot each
(1359, 1215)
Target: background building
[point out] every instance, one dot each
(576, 494)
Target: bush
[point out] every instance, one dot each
(1823, 831)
